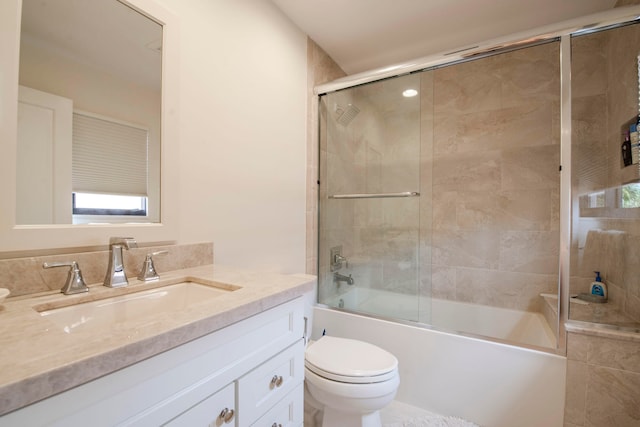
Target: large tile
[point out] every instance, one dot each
(588, 67)
(530, 168)
(613, 398)
(504, 210)
(612, 353)
(575, 393)
(470, 86)
(479, 171)
(577, 347)
(526, 125)
(520, 291)
(465, 248)
(530, 74)
(529, 251)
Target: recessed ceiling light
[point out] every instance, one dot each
(409, 93)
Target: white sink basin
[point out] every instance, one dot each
(110, 312)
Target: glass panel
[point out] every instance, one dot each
(477, 252)
(369, 241)
(606, 217)
(496, 190)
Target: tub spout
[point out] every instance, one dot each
(337, 277)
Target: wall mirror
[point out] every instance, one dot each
(88, 113)
(109, 61)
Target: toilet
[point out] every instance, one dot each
(350, 381)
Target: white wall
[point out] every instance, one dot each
(242, 136)
(242, 132)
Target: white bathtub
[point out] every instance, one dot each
(490, 383)
(514, 326)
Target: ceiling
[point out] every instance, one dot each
(362, 35)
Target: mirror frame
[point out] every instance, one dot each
(16, 238)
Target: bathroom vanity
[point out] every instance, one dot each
(236, 359)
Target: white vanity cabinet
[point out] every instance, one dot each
(250, 373)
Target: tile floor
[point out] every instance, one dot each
(398, 414)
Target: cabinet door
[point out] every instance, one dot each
(216, 410)
(266, 385)
(289, 412)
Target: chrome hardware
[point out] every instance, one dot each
(304, 335)
(116, 276)
(226, 415)
(276, 381)
(75, 283)
(148, 271)
(276, 425)
(336, 258)
(375, 195)
(337, 277)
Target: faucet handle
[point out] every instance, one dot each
(148, 271)
(125, 242)
(339, 259)
(75, 282)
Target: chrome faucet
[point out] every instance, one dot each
(148, 271)
(116, 276)
(75, 283)
(337, 277)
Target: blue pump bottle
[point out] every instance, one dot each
(598, 288)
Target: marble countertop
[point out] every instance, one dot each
(39, 358)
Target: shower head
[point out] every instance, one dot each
(344, 115)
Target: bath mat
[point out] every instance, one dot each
(433, 421)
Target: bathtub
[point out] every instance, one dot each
(513, 326)
(491, 383)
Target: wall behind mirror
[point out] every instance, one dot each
(102, 59)
(606, 220)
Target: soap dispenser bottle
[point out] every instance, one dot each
(598, 288)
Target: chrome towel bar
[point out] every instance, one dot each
(374, 195)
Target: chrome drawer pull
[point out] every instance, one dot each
(276, 425)
(276, 381)
(226, 415)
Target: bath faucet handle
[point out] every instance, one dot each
(75, 282)
(148, 271)
(339, 259)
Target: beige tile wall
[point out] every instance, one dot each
(604, 99)
(320, 69)
(603, 381)
(495, 179)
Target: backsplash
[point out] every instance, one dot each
(23, 276)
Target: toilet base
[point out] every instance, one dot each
(317, 415)
(333, 418)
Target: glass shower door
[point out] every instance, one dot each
(369, 207)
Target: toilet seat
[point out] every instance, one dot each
(350, 361)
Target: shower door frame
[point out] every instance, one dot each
(561, 31)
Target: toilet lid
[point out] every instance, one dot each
(350, 361)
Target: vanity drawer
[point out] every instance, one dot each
(218, 409)
(289, 412)
(270, 382)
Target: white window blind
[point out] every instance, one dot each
(108, 157)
